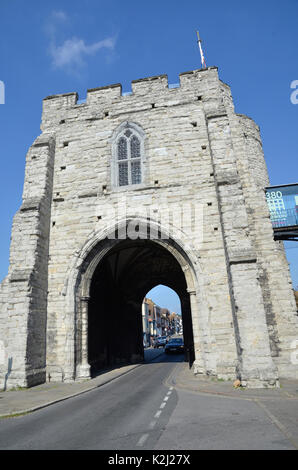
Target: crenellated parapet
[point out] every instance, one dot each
(147, 93)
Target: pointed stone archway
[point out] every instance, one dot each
(112, 277)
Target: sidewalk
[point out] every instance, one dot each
(16, 402)
(184, 378)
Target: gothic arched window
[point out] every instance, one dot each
(128, 154)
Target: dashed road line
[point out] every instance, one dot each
(142, 440)
(152, 424)
(144, 437)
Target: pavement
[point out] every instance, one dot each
(280, 405)
(185, 379)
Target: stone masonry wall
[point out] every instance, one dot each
(273, 269)
(25, 301)
(197, 151)
(182, 170)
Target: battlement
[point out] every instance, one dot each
(140, 87)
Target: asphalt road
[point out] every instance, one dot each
(139, 411)
(120, 415)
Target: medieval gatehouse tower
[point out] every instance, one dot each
(108, 184)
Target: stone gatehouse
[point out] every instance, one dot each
(164, 185)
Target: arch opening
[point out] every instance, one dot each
(162, 318)
(161, 314)
(117, 286)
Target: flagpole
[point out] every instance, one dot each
(201, 51)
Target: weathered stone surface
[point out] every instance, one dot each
(197, 153)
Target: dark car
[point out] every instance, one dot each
(175, 345)
(160, 341)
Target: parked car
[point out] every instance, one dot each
(160, 341)
(175, 345)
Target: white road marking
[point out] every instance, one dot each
(157, 415)
(142, 440)
(171, 388)
(152, 424)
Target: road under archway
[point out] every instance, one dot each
(118, 286)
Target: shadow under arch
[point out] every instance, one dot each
(112, 277)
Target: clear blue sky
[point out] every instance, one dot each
(166, 298)
(62, 46)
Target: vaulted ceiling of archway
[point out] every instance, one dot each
(137, 266)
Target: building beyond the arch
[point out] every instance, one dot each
(177, 166)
